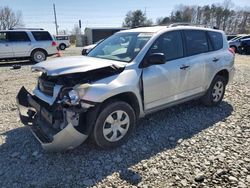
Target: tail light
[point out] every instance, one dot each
(231, 50)
(53, 43)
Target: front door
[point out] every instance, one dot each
(162, 83)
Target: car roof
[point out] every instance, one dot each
(156, 29)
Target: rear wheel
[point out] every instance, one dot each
(215, 93)
(38, 56)
(62, 46)
(114, 124)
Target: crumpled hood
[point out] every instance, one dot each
(74, 64)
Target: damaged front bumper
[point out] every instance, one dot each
(35, 115)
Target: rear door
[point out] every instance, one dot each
(197, 59)
(21, 43)
(6, 50)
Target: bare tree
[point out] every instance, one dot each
(9, 18)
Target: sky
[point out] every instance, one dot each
(96, 13)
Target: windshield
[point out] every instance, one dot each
(121, 47)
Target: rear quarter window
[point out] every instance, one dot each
(196, 42)
(216, 40)
(3, 37)
(41, 35)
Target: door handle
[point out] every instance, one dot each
(215, 59)
(6, 45)
(183, 67)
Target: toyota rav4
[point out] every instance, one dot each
(127, 76)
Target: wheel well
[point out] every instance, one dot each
(40, 50)
(224, 73)
(62, 44)
(129, 98)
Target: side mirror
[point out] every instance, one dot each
(153, 59)
(85, 52)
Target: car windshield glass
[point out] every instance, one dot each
(121, 47)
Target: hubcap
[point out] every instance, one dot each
(217, 91)
(39, 56)
(116, 126)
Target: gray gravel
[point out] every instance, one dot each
(188, 145)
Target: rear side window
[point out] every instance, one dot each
(3, 37)
(41, 35)
(216, 40)
(18, 36)
(170, 44)
(196, 42)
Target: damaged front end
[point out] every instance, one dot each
(57, 113)
(57, 128)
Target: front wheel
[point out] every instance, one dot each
(215, 93)
(114, 124)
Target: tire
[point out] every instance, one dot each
(109, 131)
(215, 92)
(62, 46)
(38, 56)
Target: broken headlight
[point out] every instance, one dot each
(74, 97)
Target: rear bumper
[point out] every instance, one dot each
(40, 121)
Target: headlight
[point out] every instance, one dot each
(74, 97)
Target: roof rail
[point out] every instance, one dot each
(23, 28)
(186, 24)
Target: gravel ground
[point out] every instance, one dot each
(188, 145)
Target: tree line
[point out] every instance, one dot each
(221, 16)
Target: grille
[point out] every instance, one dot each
(46, 87)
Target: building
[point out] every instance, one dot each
(93, 35)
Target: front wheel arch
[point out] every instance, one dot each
(129, 98)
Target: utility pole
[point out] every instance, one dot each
(54, 7)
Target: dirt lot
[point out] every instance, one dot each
(184, 146)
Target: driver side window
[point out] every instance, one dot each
(170, 44)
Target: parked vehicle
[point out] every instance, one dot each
(129, 75)
(245, 46)
(35, 44)
(86, 49)
(62, 41)
(235, 42)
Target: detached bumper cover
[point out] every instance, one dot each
(38, 119)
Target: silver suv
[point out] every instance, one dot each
(129, 75)
(36, 45)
